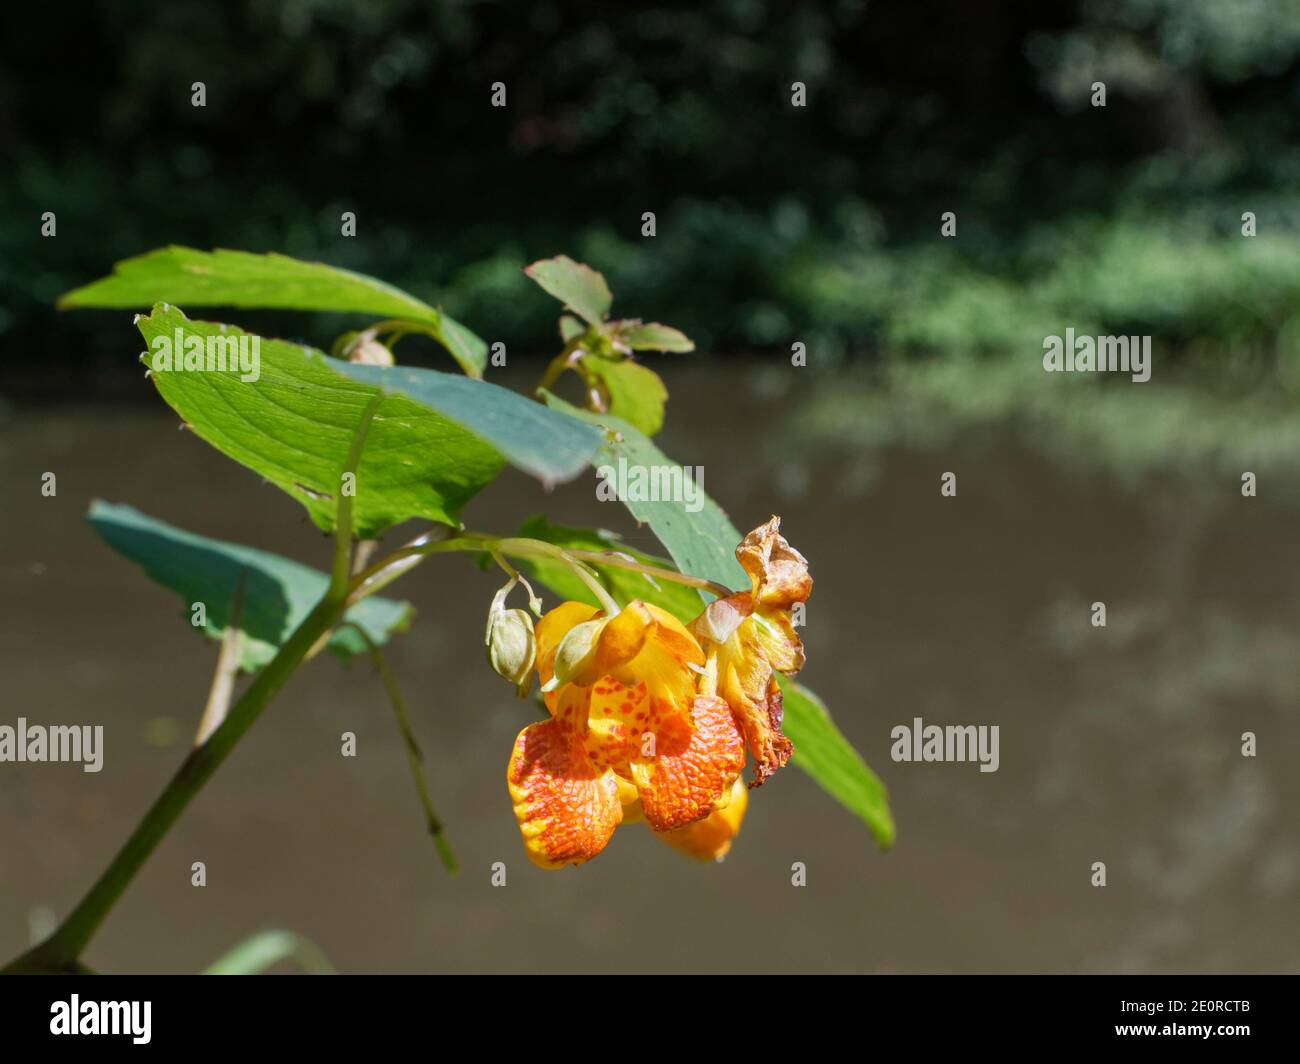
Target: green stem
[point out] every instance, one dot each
(566, 359)
(385, 571)
(62, 949)
(413, 755)
(620, 561)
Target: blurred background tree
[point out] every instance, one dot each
(774, 222)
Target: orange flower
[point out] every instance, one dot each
(710, 839)
(749, 637)
(649, 719)
(629, 736)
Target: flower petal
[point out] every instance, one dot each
(552, 629)
(777, 572)
(749, 686)
(622, 639)
(567, 807)
(692, 767)
(710, 839)
(771, 633)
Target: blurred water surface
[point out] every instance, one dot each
(1120, 745)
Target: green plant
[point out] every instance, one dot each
(365, 445)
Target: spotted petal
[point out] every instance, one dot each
(710, 839)
(692, 767)
(567, 807)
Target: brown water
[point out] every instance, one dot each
(1119, 745)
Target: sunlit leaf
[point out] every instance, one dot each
(193, 278)
(821, 750)
(632, 392)
(571, 327)
(579, 287)
(436, 439)
(651, 336)
(697, 533)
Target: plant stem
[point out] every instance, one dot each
(223, 678)
(413, 755)
(566, 359)
(621, 561)
(385, 571)
(62, 949)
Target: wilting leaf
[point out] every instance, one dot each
(277, 592)
(579, 287)
(435, 440)
(192, 278)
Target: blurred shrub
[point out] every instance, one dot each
(774, 223)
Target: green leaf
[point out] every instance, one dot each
(651, 336)
(625, 585)
(571, 327)
(821, 750)
(265, 949)
(633, 392)
(697, 533)
(465, 346)
(436, 438)
(194, 278)
(579, 287)
(278, 592)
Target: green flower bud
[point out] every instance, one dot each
(575, 652)
(512, 646)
